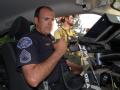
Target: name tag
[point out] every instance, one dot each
(47, 44)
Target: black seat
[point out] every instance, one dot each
(15, 79)
(3, 73)
(19, 27)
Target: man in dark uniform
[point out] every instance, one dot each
(39, 57)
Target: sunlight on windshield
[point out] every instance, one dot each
(86, 22)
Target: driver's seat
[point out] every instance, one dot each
(15, 78)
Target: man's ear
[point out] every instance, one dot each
(36, 20)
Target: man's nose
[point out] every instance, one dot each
(50, 22)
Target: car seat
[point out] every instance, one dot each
(19, 27)
(16, 80)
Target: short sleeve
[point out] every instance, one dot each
(26, 52)
(57, 35)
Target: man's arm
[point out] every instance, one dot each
(36, 73)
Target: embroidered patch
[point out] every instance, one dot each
(24, 42)
(25, 56)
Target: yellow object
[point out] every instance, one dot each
(64, 33)
(72, 56)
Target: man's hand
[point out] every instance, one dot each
(60, 46)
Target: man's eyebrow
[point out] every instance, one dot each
(46, 18)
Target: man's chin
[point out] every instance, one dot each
(47, 33)
(71, 25)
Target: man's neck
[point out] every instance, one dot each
(41, 32)
(66, 26)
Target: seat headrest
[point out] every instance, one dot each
(19, 27)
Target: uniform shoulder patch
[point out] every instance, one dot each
(24, 42)
(25, 56)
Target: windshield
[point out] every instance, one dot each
(82, 22)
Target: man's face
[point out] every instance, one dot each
(70, 20)
(45, 20)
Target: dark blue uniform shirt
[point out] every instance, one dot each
(34, 48)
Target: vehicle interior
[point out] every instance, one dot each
(102, 39)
